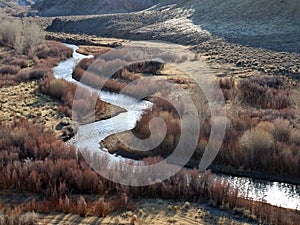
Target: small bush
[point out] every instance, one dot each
(85, 63)
(282, 129)
(266, 126)
(9, 69)
(22, 63)
(295, 137)
(258, 145)
(226, 83)
(148, 67)
(257, 140)
(39, 73)
(57, 88)
(81, 206)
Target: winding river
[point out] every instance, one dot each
(276, 193)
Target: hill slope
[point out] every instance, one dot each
(260, 23)
(14, 3)
(87, 7)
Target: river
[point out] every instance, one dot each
(275, 193)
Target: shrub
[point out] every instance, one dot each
(23, 36)
(282, 129)
(257, 140)
(39, 72)
(23, 75)
(266, 126)
(258, 145)
(148, 67)
(81, 206)
(295, 137)
(9, 69)
(85, 63)
(53, 49)
(77, 73)
(22, 63)
(263, 92)
(82, 105)
(28, 218)
(226, 83)
(57, 88)
(102, 208)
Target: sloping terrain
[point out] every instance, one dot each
(260, 23)
(79, 7)
(14, 3)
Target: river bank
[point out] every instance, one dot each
(92, 137)
(181, 218)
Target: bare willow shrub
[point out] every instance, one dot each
(266, 126)
(282, 129)
(9, 69)
(57, 88)
(258, 145)
(295, 137)
(24, 36)
(81, 206)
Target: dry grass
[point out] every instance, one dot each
(28, 218)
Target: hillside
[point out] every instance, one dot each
(73, 7)
(260, 23)
(14, 3)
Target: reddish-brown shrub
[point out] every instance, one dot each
(81, 206)
(53, 49)
(295, 136)
(261, 92)
(102, 208)
(84, 105)
(226, 83)
(38, 73)
(219, 192)
(22, 63)
(148, 67)
(9, 69)
(85, 63)
(57, 88)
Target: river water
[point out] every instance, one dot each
(276, 193)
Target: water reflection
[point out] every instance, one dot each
(275, 193)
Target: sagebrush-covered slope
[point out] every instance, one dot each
(87, 7)
(14, 3)
(260, 23)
